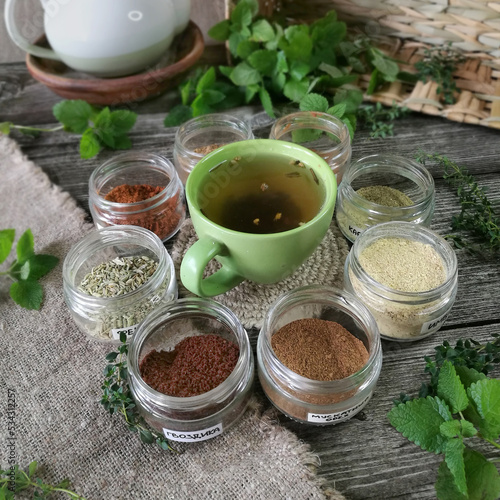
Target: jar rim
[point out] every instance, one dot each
(181, 308)
(348, 304)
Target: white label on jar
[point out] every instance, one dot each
(193, 436)
(129, 330)
(325, 418)
(355, 231)
(434, 325)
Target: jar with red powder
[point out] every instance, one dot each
(191, 369)
(139, 189)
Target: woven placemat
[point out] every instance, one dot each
(50, 382)
(250, 301)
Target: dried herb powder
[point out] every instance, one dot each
(385, 195)
(119, 276)
(204, 150)
(127, 193)
(319, 349)
(196, 365)
(403, 264)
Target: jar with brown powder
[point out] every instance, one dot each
(319, 355)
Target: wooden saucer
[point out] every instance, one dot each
(185, 50)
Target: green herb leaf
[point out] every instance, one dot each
(299, 70)
(177, 115)
(454, 456)
(37, 266)
(304, 135)
(263, 61)
(314, 102)
(206, 81)
(121, 121)
(251, 91)
(25, 246)
(73, 114)
(294, 90)
(468, 429)
(243, 74)
(6, 239)
(486, 396)
(450, 428)
(419, 420)
(468, 376)
(451, 389)
(352, 98)
(267, 104)
(262, 31)
(385, 65)
(242, 14)
(245, 48)
(234, 41)
(338, 110)
(5, 127)
(89, 144)
(220, 31)
(27, 294)
(122, 142)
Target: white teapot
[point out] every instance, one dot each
(105, 37)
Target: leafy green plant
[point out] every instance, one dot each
(477, 215)
(26, 270)
(99, 128)
(116, 397)
(380, 120)
(464, 404)
(439, 64)
(17, 480)
(276, 64)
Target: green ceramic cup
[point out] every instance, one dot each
(262, 258)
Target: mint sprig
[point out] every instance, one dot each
(26, 270)
(467, 405)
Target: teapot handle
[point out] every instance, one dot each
(19, 40)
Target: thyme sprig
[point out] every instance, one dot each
(477, 215)
(117, 398)
(439, 65)
(380, 120)
(16, 480)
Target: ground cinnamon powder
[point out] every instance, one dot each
(197, 365)
(319, 349)
(126, 193)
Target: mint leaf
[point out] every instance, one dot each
(37, 266)
(450, 428)
(263, 61)
(243, 74)
(278, 82)
(282, 64)
(483, 481)
(177, 115)
(122, 120)
(297, 44)
(245, 48)
(338, 110)
(303, 135)
(454, 457)
(468, 429)
(206, 81)
(350, 122)
(220, 31)
(6, 240)
(122, 142)
(486, 396)
(25, 246)
(210, 97)
(299, 70)
(314, 102)
(251, 91)
(387, 67)
(419, 420)
(333, 71)
(5, 127)
(185, 89)
(262, 31)
(352, 98)
(73, 114)
(468, 375)
(242, 14)
(32, 468)
(267, 104)
(89, 144)
(451, 389)
(27, 294)
(234, 40)
(295, 90)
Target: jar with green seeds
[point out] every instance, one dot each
(383, 188)
(114, 277)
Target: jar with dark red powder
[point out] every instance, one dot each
(191, 415)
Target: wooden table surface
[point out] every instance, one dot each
(365, 458)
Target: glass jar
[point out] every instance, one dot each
(403, 316)
(314, 401)
(105, 318)
(163, 213)
(207, 415)
(200, 136)
(355, 213)
(320, 132)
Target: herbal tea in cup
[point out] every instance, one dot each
(260, 208)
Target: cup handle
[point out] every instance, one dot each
(194, 263)
(19, 40)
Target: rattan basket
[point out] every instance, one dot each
(471, 26)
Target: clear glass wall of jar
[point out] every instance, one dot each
(355, 213)
(162, 213)
(403, 316)
(314, 401)
(104, 318)
(320, 132)
(200, 136)
(207, 415)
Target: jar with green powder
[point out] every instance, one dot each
(406, 275)
(382, 188)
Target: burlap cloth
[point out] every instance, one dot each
(250, 301)
(55, 374)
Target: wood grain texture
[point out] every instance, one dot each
(365, 458)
